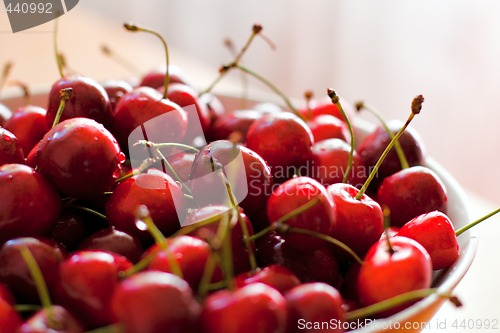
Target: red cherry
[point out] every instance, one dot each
(359, 223)
(162, 302)
(326, 126)
(283, 140)
(435, 232)
(313, 304)
(323, 107)
(28, 124)
(320, 218)
(253, 307)
(411, 192)
(215, 107)
(385, 273)
(279, 277)
(157, 191)
(87, 280)
(5, 114)
(115, 90)
(72, 227)
(10, 148)
(89, 100)
(55, 319)
(15, 273)
(234, 125)
(6, 295)
(9, 318)
(156, 77)
(80, 157)
(29, 205)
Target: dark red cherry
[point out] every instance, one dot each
(319, 218)
(87, 280)
(114, 241)
(72, 227)
(359, 223)
(15, 273)
(29, 205)
(435, 232)
(313, 304)
(80, 157)
(253, 307)
(156, 77)
(162, 302)
(412, 192)
(326, 126)
(6, 295)
(5, 114)
(371, 147)
(215, 107)
(28, 124)
(115, 90)
(10, 320)
(10, 148)
(55, 319)
(283, 140)
(88, 99)
(279, 277)
(234, 125)
(157, 191)
(386, 273)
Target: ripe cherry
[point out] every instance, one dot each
(10, 320)
(28, 124)
(234, 125)
(279, 277)
(10, 148)
(326, 126)
(156, 77)
(115, 90)
(56, 319)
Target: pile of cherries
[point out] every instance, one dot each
(92, 237)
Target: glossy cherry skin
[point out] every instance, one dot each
(324, 106)
(359, 223)
(314, 303)
(162, 302)
(80, 157)
(157, 191)
(190, 253)
(330, 160)
(5, 114)
(162, 120)
(320, 218)
(253, 308)
(208, 232)
(384, 275)
(326, 126)
(15, 273)
(283, 140)
(29, 205)
(115, 90)
(435, 232)
(54, 320)
(114, 241)
(234, 125)
(10, 148)
(156, 77)
(87, 280)
(279, 277)
(248, 174)
(10, 320)
(88, 99)
(371, 147)
(411, 192)
(28, 124)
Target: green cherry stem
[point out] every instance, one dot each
(145, 165)
(387, 224)
(65, 95)
(134, 28)
(472, 224)
(208, 273)
(59, 60)
(27, 307)
(336, 100)
(7, 68)
(123, 62)
(416, 106)
(398, 300)
(397, 146)
(37, 277)
(88, 210)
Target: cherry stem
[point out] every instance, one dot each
(27, 307)
(208, 273)
(37, 277)
(7, 68)
(65, 95)
(308, 96)
(392, 302)
(178, 145)
(106, 50)
(227, 258)
(59, 60)
(26, 90)
(472, 224)
(416, 106)
(256, 29)
(115, 328)
(134, 28)
(88, 210)
(145, 165)
(244, 79)
(336, 100)
(387, 225)
(399, 151)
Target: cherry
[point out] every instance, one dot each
(435, 232)
(411, 192)
(387, 272)
(6, 295)
(322, 107)
(156, 77)
(156, 190)
(9, 318)
(314, 303)
(72, 227)
(115, 90)
(234, 125)
(28, 124)
(319, 217)
(80, 157)
(5, 114)
(182, 164)
(283, 140)
(114, 241)
(326, 126)
(55, 319)
(10, 148)
(29, 205)
(162, 302)
(279, 277)
(255, 306)
(15, 273)
(87, 280)
(215, 108)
